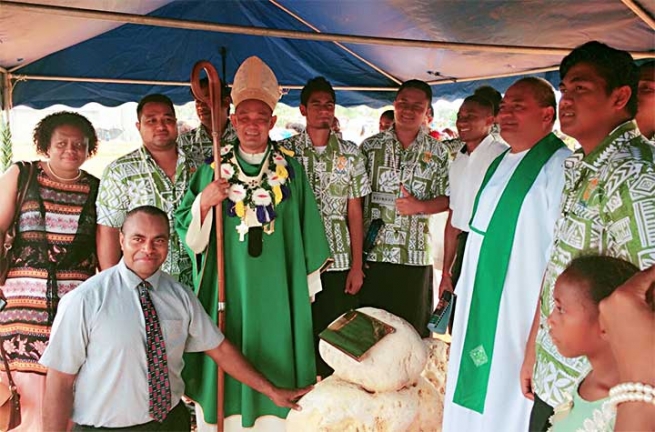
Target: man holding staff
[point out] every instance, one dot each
(276, 247)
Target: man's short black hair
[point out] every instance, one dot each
(482, 101)
(418, 85)
(204, 82)
(616, 67)
(387, 114)
(146, 209)
(156, 98)
(318, 84)
(43, 131)
(543, 92)
(490, 93)
(649, 65)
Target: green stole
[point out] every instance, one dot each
(491, 271)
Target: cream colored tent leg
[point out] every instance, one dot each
(640, 12)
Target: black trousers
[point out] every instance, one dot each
(403, 290)
(540, 415)
(329, 304)
(456, 272)
(177, 420)
(459, 256)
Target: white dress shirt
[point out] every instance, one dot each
(99, 335)
(466, 174)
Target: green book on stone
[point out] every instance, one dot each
(355, 333)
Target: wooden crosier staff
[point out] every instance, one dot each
(214, 101)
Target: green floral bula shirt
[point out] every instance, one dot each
(453, 146)
(423, 169)
(198, 144)
(335, 176)
(608, 208)
(135, 180)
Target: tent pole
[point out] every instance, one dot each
(340, 45)
(287, 87)
(6, 150)
(288, 34)
(22, 77)
(640, 12)
(224, 64)
(486, 77)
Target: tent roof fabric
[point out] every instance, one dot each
(56, 45)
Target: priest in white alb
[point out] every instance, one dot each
(506, 253)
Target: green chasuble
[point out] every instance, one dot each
(268, 314)
(491, 271)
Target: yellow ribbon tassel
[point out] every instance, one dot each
(286, 151)
(277, 191)
(240, 209)
(281, 171)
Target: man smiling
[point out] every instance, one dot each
(275, 249)
(511, 227)
(115, 354)
(475, 120)
(408, 170)
(198, 143)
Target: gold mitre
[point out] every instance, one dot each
(255, 80)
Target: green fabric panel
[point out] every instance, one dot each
(268, 314)
(491, 271)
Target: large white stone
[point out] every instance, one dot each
(393, 363)
(430, 408)
(335, 405)
(437, 364)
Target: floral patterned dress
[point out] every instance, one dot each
(54, 252)
(579, 415)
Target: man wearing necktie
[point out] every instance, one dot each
(115, 355)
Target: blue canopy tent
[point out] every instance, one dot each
(73, 52)
(455, 45)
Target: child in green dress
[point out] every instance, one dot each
(576, 331)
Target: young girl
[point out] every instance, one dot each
(576, 331)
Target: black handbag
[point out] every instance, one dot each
(10, 235)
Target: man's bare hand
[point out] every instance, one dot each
(525, 375)
(287, 398)
(354, 280)
(446, 284)
(214, 193)
(408, 204)
(632, 340)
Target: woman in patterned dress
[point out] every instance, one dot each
(54, 250)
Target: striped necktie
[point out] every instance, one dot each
(159, 389)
